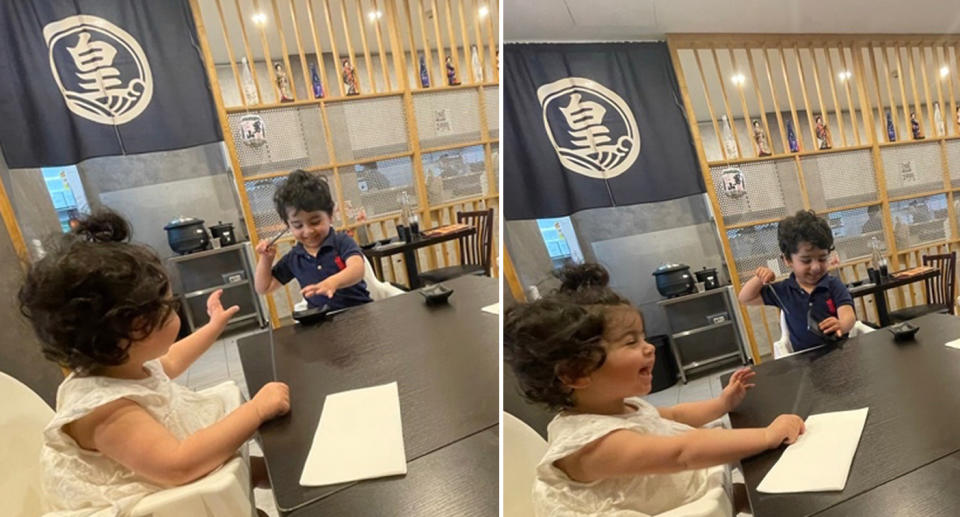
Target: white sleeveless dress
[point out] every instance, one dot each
(78, 482)
(556, 495)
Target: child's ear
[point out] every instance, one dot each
(571, 380)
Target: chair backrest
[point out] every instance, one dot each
(523, 449)
(377, 288)
(475, 249)
(940, 289)
(22, 421)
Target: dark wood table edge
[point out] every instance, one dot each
(419, 243)
(860, 291)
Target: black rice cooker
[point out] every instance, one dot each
(674, 280)
(187, 235)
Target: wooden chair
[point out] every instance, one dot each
(474, 249)
(940, 289)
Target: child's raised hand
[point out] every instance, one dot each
(272, 400)
(266, 251)
(737, 388)
(784, 429)
(831, 325)
(215, 309)
(766, 275)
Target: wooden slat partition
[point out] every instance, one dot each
(852, 82)
(358, 23)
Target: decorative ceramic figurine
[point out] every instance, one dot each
(424, 76)
(891, 131)
(729, 144)
(792, 139)
(823, 134)
(283, 83)
(915, 127)
(315, 79)
(475, 62)
(763, 149)
(249, 88)
(938, 119)
(349, 75)
(451, 73)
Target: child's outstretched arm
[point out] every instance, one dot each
(628, 453)
(184, 352)
(128, 434)
(696, 414)
(750, 292)
(352, 274)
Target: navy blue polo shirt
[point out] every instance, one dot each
(331, 259)
(824, 301)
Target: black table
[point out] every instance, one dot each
(879, 291)
(445, 361)
(912, 432)
(409, 250)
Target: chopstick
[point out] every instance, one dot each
(775, 295)
(275, 239)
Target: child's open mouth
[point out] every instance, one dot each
(647, 370)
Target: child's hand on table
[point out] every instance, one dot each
(766, 275)
(737, 388)
(219, 315)
(784, 429)
(325, 288)
(831, 325)
(272, 400)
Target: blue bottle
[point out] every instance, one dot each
(424, 76)
(792, 139)
(315, 79)
(891, 132)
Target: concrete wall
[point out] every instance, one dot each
(152, 189)
(20, 355)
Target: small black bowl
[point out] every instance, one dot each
(436, 293)
(311, 316)
(384, 242)
(903, 331)
(368, 246)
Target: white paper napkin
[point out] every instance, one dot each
(953, 344)
(359, 436)
(492, 308)
(820, 459)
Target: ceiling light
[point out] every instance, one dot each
(259, 18)
(483, 11)
(375, 15)
(844, 75)
(945, 71)
(738, 79)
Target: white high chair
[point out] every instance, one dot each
(523, 449)
(225, 492)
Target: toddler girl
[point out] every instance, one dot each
(102, 307)
(582, 351)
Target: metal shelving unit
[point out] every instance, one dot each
(697, 341)
(198, 274)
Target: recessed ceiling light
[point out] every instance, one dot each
(375, 15)
(738, 79)
(259, 18)
(945, 71)
(483, 11)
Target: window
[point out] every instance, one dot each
(66, 192)
(560, 240)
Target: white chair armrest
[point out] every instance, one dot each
(224, 492)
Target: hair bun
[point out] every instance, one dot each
(103, 226)
(582, 276)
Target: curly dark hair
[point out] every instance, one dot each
(560, 336)
(94, 293)
(303, 191)
(804, 226)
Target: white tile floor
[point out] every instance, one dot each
(221, 362)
